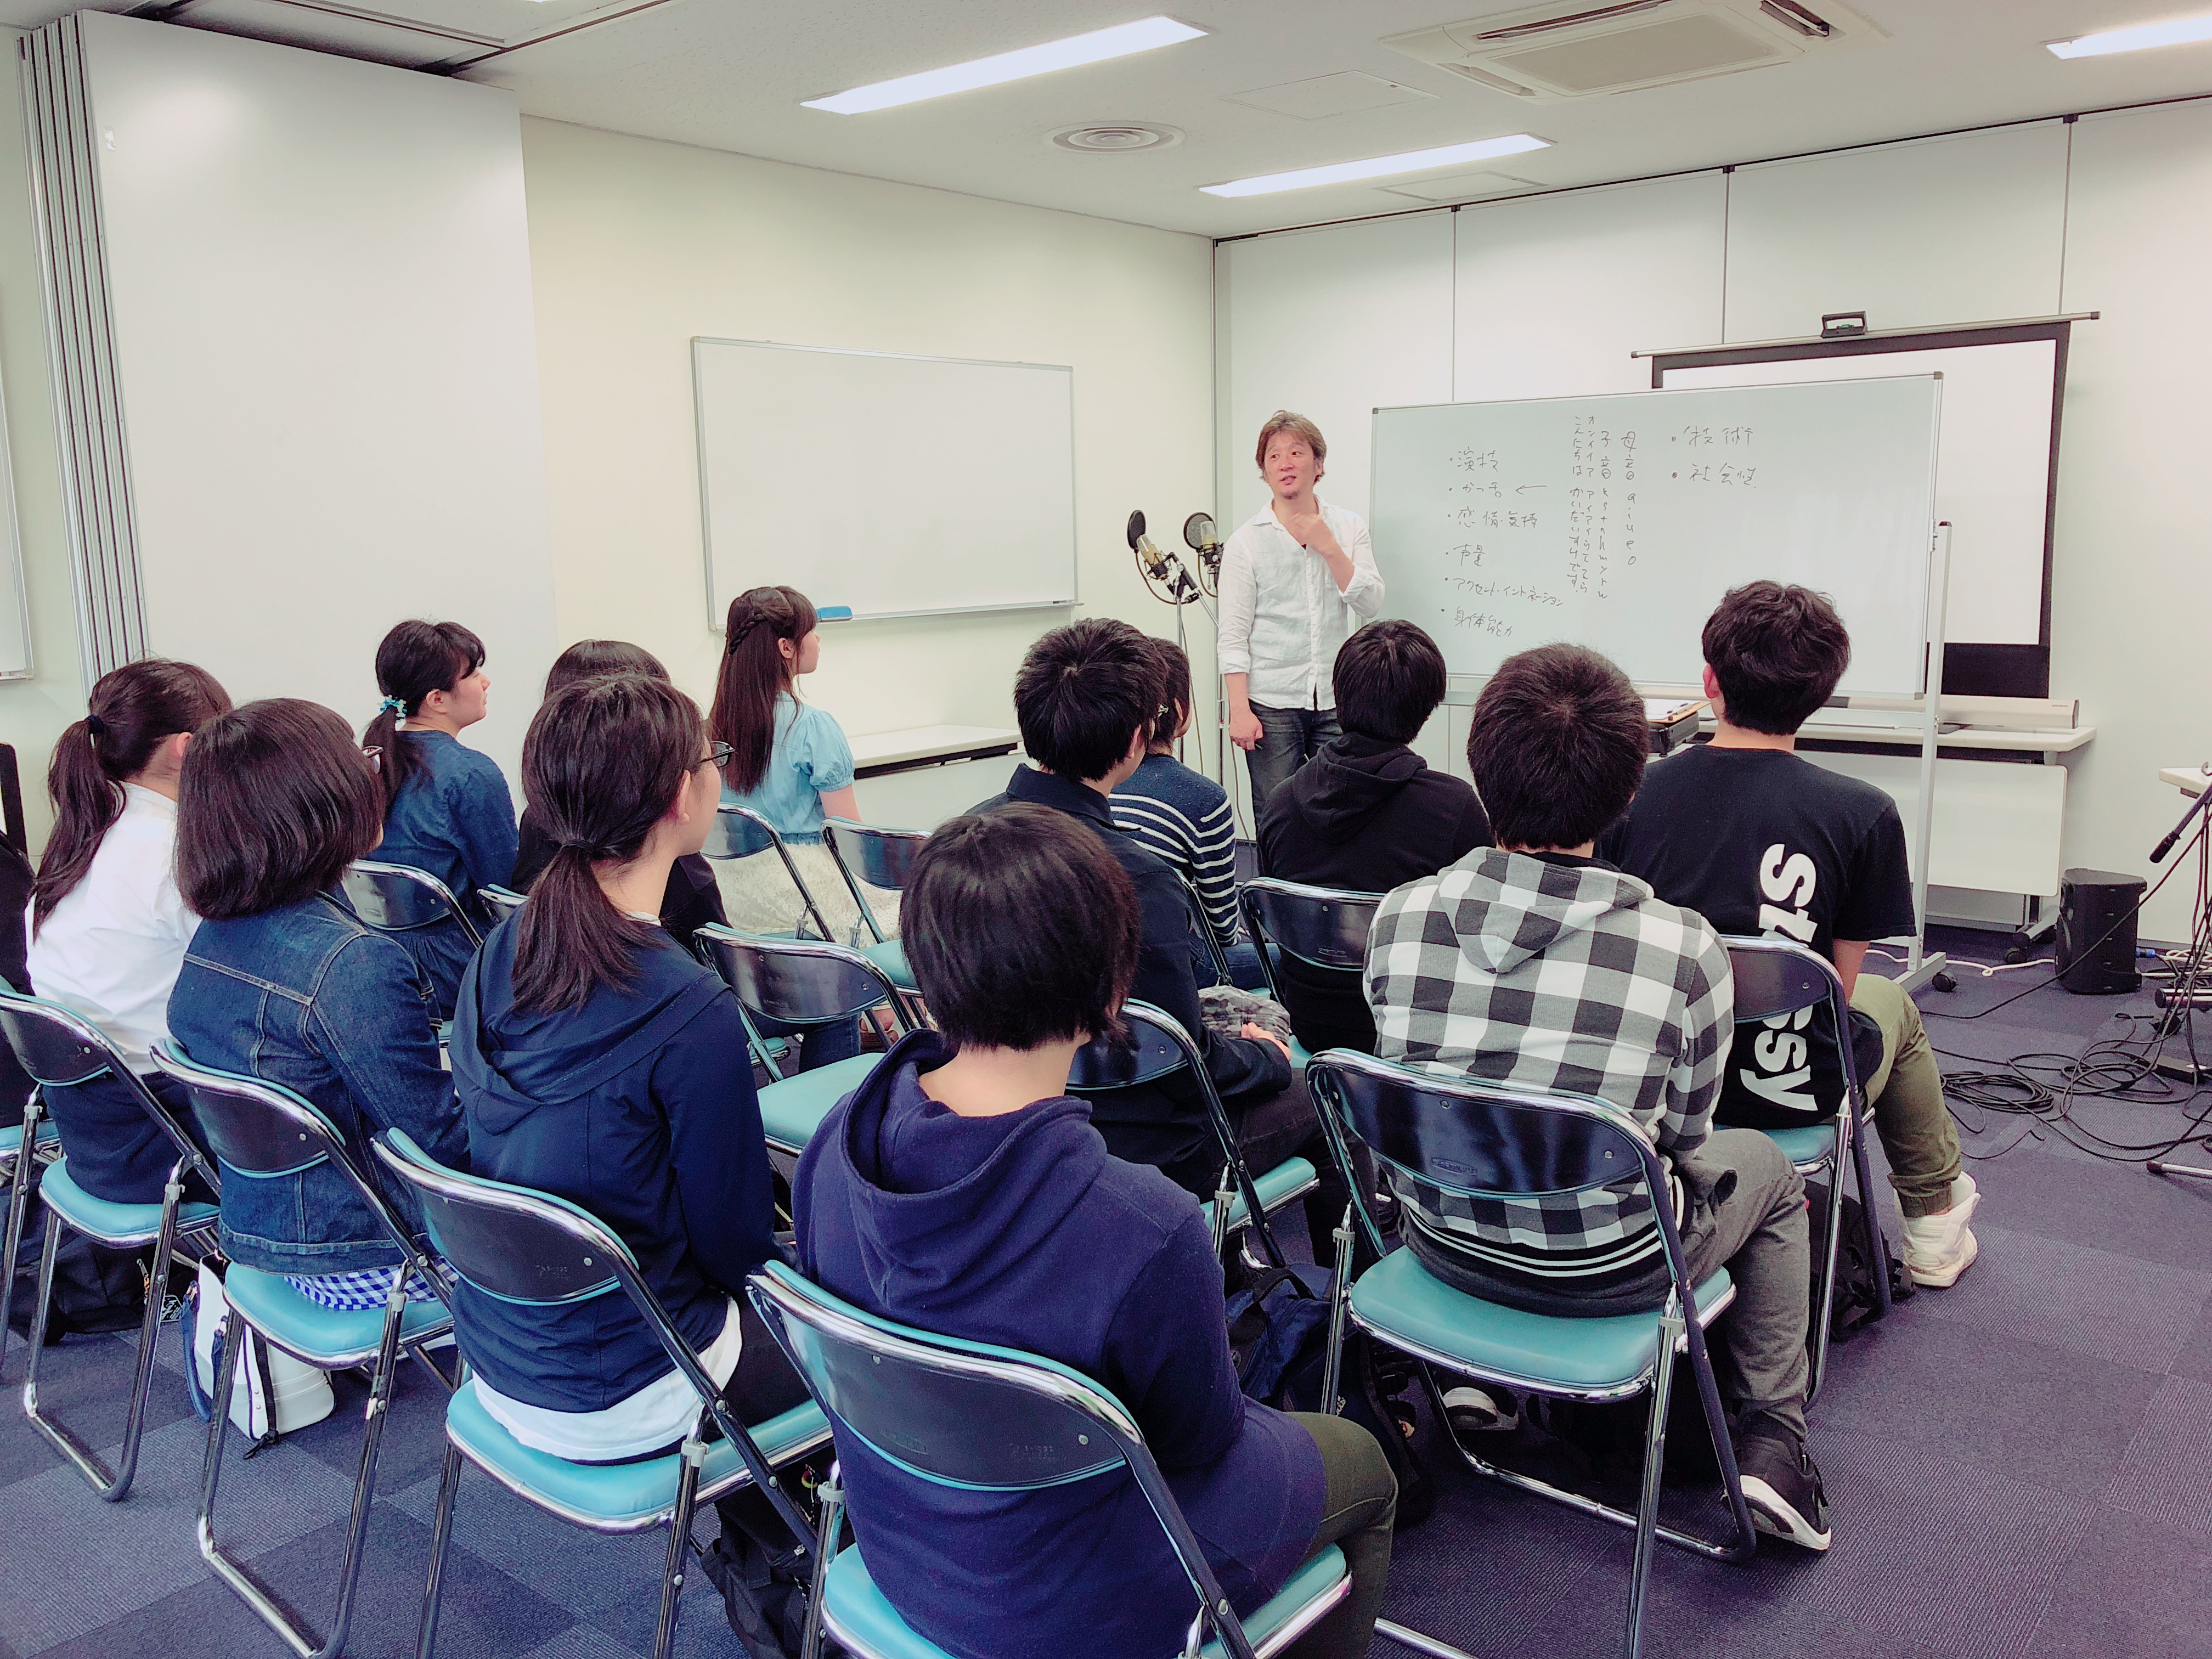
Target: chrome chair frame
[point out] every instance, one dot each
(1775, 979)
(593, 1261)
(762, 970)
(390, 908)
(738, 832)
(501, 902)
(71, 1049)
(1321, 927)
(832, 1344)
(885, 856)
(1203, 926)
(1526, 1142)
(21, 1145)
(1161, 1047)
(260, 1130)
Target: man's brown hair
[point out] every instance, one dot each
(1299, 426)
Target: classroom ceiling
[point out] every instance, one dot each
(729, 75)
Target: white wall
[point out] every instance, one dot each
(637, 246)
(1551, 292)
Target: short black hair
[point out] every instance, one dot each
(1021, 929)
(1389, 677)
(587, 659)
(1778, 652)
(1557, 747)
(1082, 695)
(274, 801)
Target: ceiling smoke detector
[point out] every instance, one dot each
(1114, 136)
(1588, 48)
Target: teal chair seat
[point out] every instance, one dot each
(1808, 1148)
(1398, 1297)
(11, 1137)
(1278, 1187)
(857, 1613)
(1299, 1056)
(619, 1497)
(325, 1337)
(792, 1111)
(890, 957)
(113, 1224)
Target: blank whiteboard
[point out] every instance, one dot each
(1618, 522)
(898, 486)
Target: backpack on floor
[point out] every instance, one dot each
(1858, 1247)
(1278, 1337)
(96, 1289)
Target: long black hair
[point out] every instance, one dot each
(754, 674)
(416, 659)
(132, 711)
(603, 761)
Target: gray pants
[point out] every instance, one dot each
(1747, 1215)
(1289, 738)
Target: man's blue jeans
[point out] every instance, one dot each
(1289, 738)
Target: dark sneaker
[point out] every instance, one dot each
(1470, 1410)
(1782, 1486)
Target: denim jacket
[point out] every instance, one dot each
(310, 997)
(455, 818)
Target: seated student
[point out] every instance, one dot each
(446, 809)
(1183, 818)
(961, 1189)
(1759, 841)
(791, 764)
(1532, 964)
(284, 982)
(692, 899)
(591, 1053)
(1365, 813)
(107, 929)
(1085, 697)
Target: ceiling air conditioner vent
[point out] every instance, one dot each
(1575, 49)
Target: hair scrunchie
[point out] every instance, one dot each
(397, 705)
(94, 727)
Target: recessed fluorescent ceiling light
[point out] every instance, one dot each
(1414, 161)
(1093, 48)
(2136, 40)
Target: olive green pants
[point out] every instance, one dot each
(1906, 1089)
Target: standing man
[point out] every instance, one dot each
(1297, 578)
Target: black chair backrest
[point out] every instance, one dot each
(58, 1046)
(1778, 977)
(1326, 926)
(1158, 1048)
(501, 901)
(738, 832)
(881, 857)
(508, 1242)
(397, 898)
(798, 981)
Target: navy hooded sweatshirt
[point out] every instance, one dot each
(1021, 1230)
(639, 1107)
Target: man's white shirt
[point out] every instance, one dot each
(1282, 617)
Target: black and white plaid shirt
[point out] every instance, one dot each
(1561, 974)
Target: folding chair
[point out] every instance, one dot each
(261, 1131)
(532, 1249)
(738, 832)
(500, 903)
(398, 898)
(1321, 927)
(1160, 1050)
(1469, 1138)
(1202, 926)
(58, 1047)
(37, 1132)
(883, 858)
(1779, 981)
(805, 983)
(977, 1418)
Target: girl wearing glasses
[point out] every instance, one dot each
(108, 926)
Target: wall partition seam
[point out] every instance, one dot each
(87, 404)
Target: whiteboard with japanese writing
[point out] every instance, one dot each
(1618, 522)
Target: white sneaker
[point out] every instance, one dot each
(1470, 1410)
(1939, 1248)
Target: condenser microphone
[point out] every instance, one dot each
(1154, 561)
(1198, 533)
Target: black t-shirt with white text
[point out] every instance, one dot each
(1763, 842)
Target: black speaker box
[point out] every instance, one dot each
(2096, 944)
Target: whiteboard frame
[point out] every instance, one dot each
(13, 550)
(718, 610)
(1935, 461)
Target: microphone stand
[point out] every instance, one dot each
(2203, 799)
(2185, 1005)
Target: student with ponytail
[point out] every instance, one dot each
(692, 899)
(446, 809)
(108, 928)
(789, 762)
(284, 983)
(593, 1058)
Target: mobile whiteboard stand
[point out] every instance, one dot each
(1921, 968)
